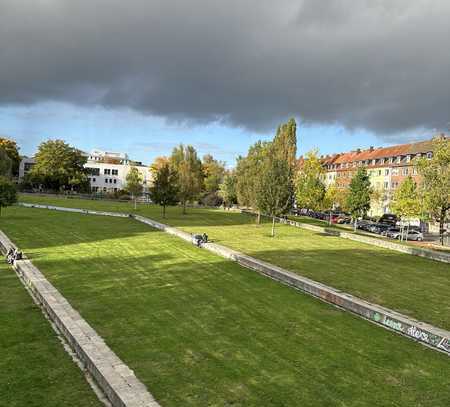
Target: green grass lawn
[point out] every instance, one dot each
(35, 370)
(202, 331)
(412, 285)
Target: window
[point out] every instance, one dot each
(374, 162)
(394, 185)
(379, 172)
(93, 179)
(93, 171)
(107, 171)
(395, 171)
(110, 180)
(115, 172)
(391, 160)
(104, 189)
(405, 171)
(115, 189)
(429, 155)
(399, 158)
(106, 180)
(386, 171)
(115, 181)
(386, 185)
(414, 171)
(408, 158)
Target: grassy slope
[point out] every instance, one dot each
(34, 368)
(199, 330)
(414, 286)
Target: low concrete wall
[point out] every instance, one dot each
(387, 244)
(114, 378)
(436, 338)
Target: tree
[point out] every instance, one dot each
(11, 149)
(285, 144)
(335, 198)
(59, 166)
(274, 191)
(164, 191)
(435, 183)
(185, 163)
(8, 194)
(248, 175)
(227, 189)
(213, 173)
(134, 184)
(358, 200)
(406, 202)
(5, 164)
(310, 190)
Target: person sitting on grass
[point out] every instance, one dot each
(205, 238)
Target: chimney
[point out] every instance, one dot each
(358, 150)
(371, 148)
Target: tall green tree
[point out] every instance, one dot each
(186, 164)
(285, 144)
(310, 190)
(248, 174)
(134, 184)
(358, 199)
(12, 150)
(8, 194)
(274, 196)
(59, 166)
(213, 173)
(164, 189)
(435, 183)
(227, 190)
(5, 164)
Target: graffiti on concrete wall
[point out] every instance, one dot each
(412, 331)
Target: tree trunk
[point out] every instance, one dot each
(258, 218)
(184, 207)
(441, 226)
(0, 210)
(164, 211)
(355, 224)
(273, 227)
(135, 203)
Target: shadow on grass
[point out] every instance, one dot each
(197, 326)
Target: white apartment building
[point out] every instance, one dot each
(107, 171)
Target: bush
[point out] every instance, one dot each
(8, 193)
(211, 199)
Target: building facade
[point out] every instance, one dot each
(387, 168)
(107, 171)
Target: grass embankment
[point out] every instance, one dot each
(35, 370)
(412, 285)
(203, 331)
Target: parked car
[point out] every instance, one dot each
(388, 219)
(344, 219)
(412, 234)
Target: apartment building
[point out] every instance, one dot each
(387, 168)
(107, 171)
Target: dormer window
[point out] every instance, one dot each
(429, 155)
(408, 158)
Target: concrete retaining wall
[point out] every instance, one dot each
(387, 244)
(430, 335)
(113, 377)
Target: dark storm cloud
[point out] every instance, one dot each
(379, 65)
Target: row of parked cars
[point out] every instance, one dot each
(386, 225)
(390, 230)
